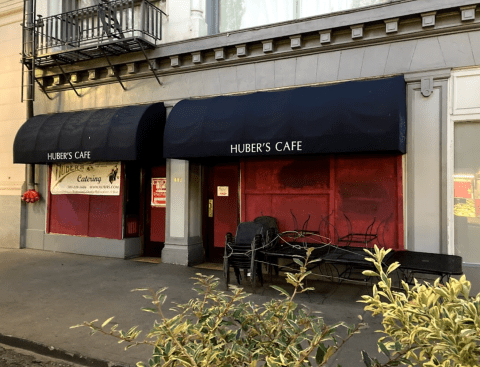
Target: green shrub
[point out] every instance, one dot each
(425, 325)
(223, 329)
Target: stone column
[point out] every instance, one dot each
(183, 227)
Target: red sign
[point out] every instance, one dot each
(159, 192)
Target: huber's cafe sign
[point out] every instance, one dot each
(68, 156)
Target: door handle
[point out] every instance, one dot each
(210, 208)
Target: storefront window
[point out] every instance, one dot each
(86, 199)
(467, 191)
(239, 14)
(352, 199)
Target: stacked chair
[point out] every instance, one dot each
(241, 252)
(270, 226)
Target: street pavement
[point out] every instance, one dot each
(43, 293)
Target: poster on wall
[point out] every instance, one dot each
(159, 192)
(94, 178)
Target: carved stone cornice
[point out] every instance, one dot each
(379, 31)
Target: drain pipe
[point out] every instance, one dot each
(30, 168)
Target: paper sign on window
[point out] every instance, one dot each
(159, 192)
(95, 178)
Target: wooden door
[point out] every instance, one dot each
(222, 209)
(155, 216)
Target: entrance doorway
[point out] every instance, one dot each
(155, 206)
(222, 207)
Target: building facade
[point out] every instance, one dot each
(359, 114)
(12, 176)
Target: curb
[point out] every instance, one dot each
(53, 352)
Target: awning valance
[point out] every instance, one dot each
(363, 116)
(132, 133)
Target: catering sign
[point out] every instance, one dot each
(94, 178)
(159, 192)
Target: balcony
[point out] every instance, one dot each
(107, 29)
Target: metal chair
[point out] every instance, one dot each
(241, 252)
(270, 227)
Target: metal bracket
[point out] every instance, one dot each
(426, 86)
(66, 77)
(152, 68)
(113, 69)
(43, 89)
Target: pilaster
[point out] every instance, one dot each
(183, 235)
(427, 218)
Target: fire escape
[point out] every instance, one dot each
(109, 28)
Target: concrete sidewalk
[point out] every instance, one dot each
(42, 294)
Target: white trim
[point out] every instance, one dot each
(46, 183)
(405, 211)
(450, 170)
(457, 115)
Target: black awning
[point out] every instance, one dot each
(132, 133)
(363, 116)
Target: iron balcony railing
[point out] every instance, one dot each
(111, 27)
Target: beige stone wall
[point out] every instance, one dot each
(12, 116)
(12, 111)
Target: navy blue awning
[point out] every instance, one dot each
(362, 116)
(132, 133)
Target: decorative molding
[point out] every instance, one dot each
(391, 25)
(111, 71)
(296, 41)
(426, 86)
(74, 78)
(267, 46)
(197, 57)
(57, 80)
(428, 19)
(468, 12)
(241, 50)
(325, 36)
(438, 74)
(174, 61)
(92, 74)
(320, 41)
(154, 64)
(219, 53)
(131, 68)
(357, 31)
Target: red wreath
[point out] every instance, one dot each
(31, 196)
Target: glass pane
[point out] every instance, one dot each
(85, 3)
(466, 182)
(310, 8)
(239, 14)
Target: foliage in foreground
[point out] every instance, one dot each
(425, 325)
(223, 329)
